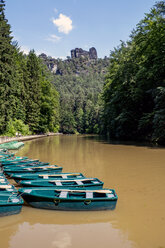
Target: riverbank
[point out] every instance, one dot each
(4, 139)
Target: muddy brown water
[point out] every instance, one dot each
(137, 173)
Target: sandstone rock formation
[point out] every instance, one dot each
(80, 53)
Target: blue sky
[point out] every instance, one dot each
(57, 26)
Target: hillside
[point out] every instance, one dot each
(79, 80)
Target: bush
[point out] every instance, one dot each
(17, 126)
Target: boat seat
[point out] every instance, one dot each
(89, 194)
(79, 182)
(15, 200)
(5, 186)
(9, 190)
(45, 177)
(63, 194)
(28, 190)
(95, 182)
(64, 176)
(110, 195)
(58, 183)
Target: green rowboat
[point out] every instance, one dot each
(35, 176)
(28, 164)
(33, 169)
(13, 145)
(10, 204)
(18, 162)
(9, 160)
(6, 187)
(92, 183)
(73, 200)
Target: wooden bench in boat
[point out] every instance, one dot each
(58, 175)
(105, 191)
(75, 180)
(5, 186)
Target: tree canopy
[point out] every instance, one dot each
(27, 97)
(134, 92)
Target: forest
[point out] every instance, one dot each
(134, 91)
(29, 103)
(79, 87)
(122, 96)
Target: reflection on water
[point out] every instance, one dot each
(58, 236)
(137, 173)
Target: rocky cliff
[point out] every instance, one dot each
(80, 53)
(80, 62)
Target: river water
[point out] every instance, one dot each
(137, 173)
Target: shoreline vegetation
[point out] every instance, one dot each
(121, 97)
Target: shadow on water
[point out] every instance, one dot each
(106, 140)
(45, 216)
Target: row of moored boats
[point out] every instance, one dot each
(42, 185)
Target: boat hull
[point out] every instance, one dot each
(10, 204)
(69, 205)
(10, 210)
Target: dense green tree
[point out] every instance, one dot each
(33, 90)
(28, 99)
(49, 108)
(133, 91)
(79, 86)
(21, 79)
(16, 126)
(79, 81)
(42, 101)
(158, 134)
(7, 84)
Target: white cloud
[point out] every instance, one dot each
(54, 38)
(63, 23)
(38, 52)
(25, 49)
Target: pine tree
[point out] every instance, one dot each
(49, 109)
(7, 100)
(33, 90)
(21, 77)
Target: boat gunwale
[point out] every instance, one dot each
(53, 198)
(63, 180)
